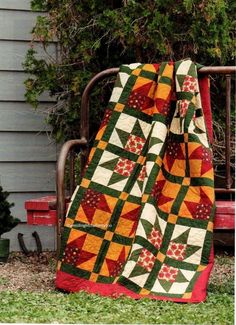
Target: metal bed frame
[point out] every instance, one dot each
(82, 143)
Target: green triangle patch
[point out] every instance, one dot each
(140, 184)
(157, 225)
(182, 239)
(154, 141)
(135, 254)
(123, 135)
(180, 79)
(190, 250)
(115, 178)
(197, 130)
(110, 164)
(192, 70)
(180, 277)
(137, 130)
(166, 285)
(118, 82)
(147, 226)
(138, 270)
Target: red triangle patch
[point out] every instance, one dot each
(197, 153)
(132, 215)
(206, 166)
(134, 227)
(162, 199)
(78, 243)
(89, 212)
(114, 267)
(204, 198)
(144, 90)
(156, 66)
(157, 188)
(192, 206)
(84, 256)
(102, 205)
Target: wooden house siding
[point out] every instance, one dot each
(27, 154)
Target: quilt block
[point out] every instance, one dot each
(141, 221)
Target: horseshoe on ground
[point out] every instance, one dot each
(22, 243)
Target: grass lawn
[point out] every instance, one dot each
(55, 307)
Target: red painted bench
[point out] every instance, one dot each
(42, 211)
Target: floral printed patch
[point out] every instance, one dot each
(176, 251)
(168, 273)
(134, 144)
(155, 238)
(142, 174)
(189, 84)
(124, 166)
(183, 107)
(146, 259)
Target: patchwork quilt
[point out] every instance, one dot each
(140, 223)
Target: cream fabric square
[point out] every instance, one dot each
(178, 288)
(116, 93)
(107, 156)
(196, 236)
(126, 122)
(159, 131)
(102, 176)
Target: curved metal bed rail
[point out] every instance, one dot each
(60, 178)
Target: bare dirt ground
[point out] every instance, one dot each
(37, 273)
(28, 273)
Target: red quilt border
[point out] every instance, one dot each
(72, 283)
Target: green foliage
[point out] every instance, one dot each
(95, 34)
(7, 221)
(26, 307)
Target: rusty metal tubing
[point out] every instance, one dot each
(228, 132)
(225, 190)
(72, 171)
(217, 69)
(60, 176)
(84, 124)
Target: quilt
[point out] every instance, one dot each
(140, 223)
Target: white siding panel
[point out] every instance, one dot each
(27, 159)
(17, 25)
(18, 211)
(23, 117)
(16, 146)
(12, 54)
(27, 177)
(12, 86)
(15, 4)
(47, 236)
